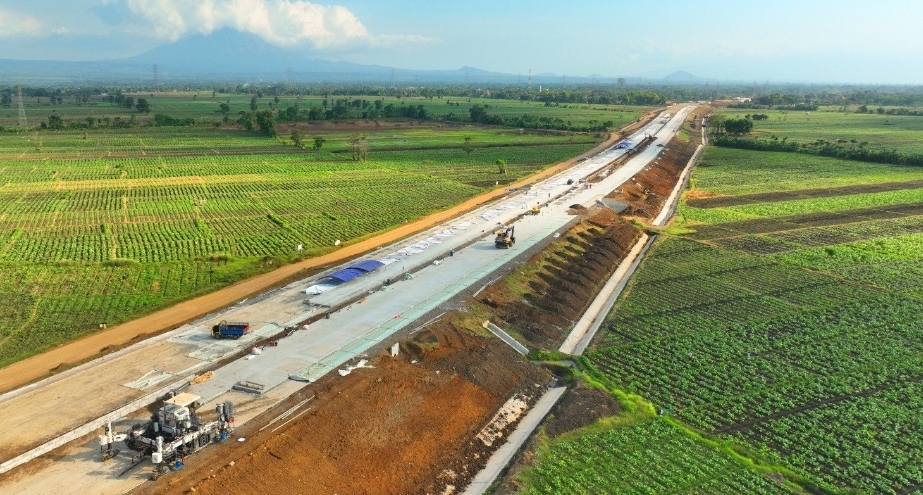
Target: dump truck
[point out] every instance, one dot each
(230, 329)
(506, 237)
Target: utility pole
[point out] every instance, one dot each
(22, 109)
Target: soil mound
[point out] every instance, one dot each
(408, 425)
(649, 189)
(566, 278)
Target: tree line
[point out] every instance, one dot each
(794, 96)
(843, 150)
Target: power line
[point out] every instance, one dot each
(22, 109)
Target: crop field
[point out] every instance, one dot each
(99, 226)
(733, 172)
(900, 132)
(203, 107)
(649, 456)
(788, 322)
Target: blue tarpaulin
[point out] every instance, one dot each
(368, 265)
(351, 272)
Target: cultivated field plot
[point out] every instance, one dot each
(901, 132)
(819, 371)
(203, 108)
(103, 225)
(733, 172)
(650, 456)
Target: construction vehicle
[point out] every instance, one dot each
(230, 329)
(536, 209)
(173, 433)
(506, 237)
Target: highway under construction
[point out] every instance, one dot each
(303, 331)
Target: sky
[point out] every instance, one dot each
(803, 41)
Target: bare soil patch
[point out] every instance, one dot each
(581, 406)
(400, 428)
(566, 278)
(649, 189)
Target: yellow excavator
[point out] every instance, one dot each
(505, 237)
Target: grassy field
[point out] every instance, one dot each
(900, 132)
(104, 225)
(786, 324)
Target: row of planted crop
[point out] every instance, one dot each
(868, 443)
(647, 457)
(865, 334)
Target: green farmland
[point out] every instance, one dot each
(786, 327)
(649, 456)
(900, 132)
(204, 108)
(102, 225)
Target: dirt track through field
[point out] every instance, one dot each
(40, 366)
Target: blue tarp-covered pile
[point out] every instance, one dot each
(351, 272)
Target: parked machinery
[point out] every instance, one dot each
(174, 432)
(506, 237)
(230, 329)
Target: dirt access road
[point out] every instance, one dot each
(42, 365)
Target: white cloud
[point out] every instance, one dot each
(281, 22)
(14, 23)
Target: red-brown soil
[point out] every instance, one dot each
(399, 428)
(567, 277)
(651, 187)
(581, 406)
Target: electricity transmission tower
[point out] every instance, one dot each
(156, 82)
(22, 109)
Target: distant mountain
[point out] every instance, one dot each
(683, 77)
(228, 55)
